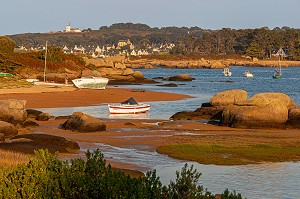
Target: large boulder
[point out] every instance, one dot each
(264, 110)
(82, 122)
(13, 111)
(228, 97)
(7, 129)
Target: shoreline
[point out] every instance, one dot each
(41, 97)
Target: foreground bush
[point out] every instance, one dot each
(48, 177)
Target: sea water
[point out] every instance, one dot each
(271, 180)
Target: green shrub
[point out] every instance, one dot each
(48, 177)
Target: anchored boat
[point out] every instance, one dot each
(129, 106)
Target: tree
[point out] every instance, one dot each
(254, 50)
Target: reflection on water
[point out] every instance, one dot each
(129, 116)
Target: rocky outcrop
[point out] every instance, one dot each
(228, 97)
(180, 77)
(2, 137)
(264, 110)
(7, 129)
(13, 111)
(83, 123)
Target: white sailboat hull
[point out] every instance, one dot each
(91, 82)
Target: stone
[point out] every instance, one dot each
(228, 97)
(13, 111)
(29, 123)
(43, 117)
(180, 77)
(7, 129)
(82, 122)
(33, 113)
(138, 75)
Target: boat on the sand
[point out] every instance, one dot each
(91, 82)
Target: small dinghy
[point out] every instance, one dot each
(129, 106)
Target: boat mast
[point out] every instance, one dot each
(45, 61)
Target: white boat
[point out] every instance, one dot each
(247, 73)
(91, 82)
(226, 72)
(129, 106)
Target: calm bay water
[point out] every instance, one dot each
(272, 180)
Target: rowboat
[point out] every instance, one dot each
(91, 82)
(129, 106)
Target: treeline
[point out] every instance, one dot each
(260, 42)
(46, 176)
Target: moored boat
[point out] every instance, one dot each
(129, 106)
(91, 82)
(226, 72)
(247, 73)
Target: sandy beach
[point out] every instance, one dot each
(43, 97)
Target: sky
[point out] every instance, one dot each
(40, 16)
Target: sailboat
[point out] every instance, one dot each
(226, 72)
(278, 73)
(45, 83)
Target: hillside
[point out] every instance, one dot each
(262, 43)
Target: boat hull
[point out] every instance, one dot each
(128, 109)
(91, 82)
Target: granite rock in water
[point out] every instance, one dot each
(264, 110)
(82, 122)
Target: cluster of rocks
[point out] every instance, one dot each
(234, 109)
(15, 122)
(113, 68)
(205, 63)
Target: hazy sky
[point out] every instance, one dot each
(21, 16)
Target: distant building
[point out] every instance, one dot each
(70, 29)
